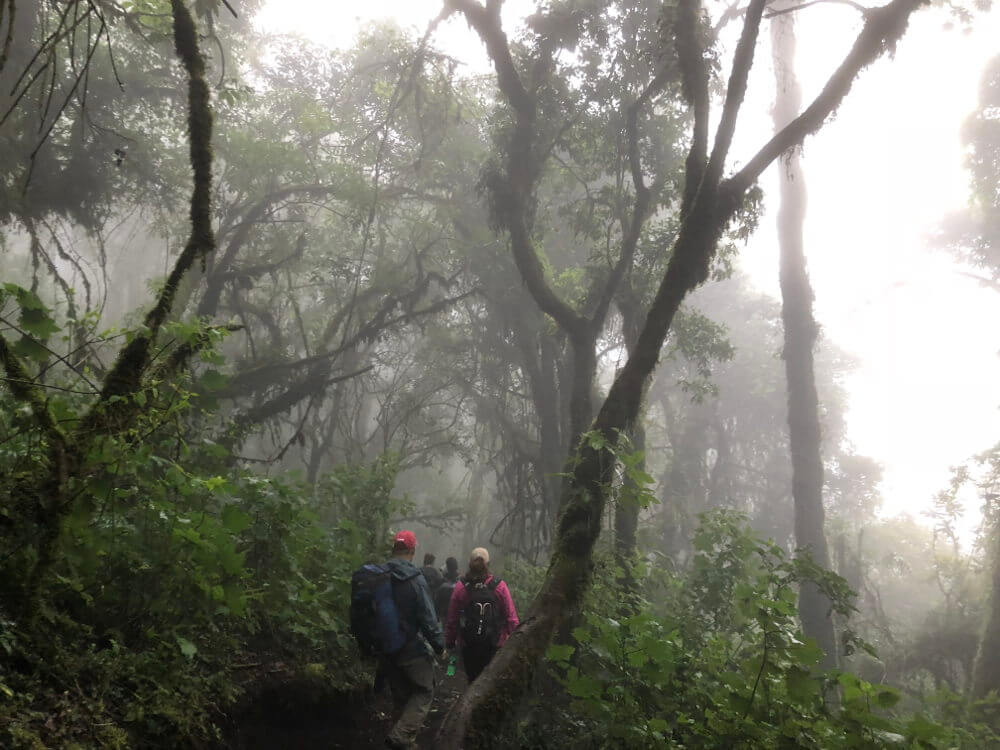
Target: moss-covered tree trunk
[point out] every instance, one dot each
(477, 718)
(800, 338)
(627, 511)
(114, 410)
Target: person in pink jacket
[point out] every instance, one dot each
(481, 614)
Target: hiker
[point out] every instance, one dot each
(442, 597)
(431, 574)
(483, 604)
(393, 618)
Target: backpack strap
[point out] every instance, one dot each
(492, 585)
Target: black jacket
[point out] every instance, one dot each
(415, 610)
(433, 577)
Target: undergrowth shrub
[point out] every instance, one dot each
(713, 658)
(170, 602)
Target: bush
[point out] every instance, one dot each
(714, 658)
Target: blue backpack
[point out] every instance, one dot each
(375, 620)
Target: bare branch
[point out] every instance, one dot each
(643, 199)
(850, 3)
(883, 28)
(9, 39)
(25, 389)
(209, 303)
(736, 90)
(55, 354)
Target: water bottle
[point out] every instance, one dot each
(451, 666)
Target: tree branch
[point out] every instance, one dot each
(9, 38)
(883, 28)
(850, 3)
(25, 389)
(513, 192)
(209, 303)
(735, 91)
(643, 199)
(126, 374)
(694, 86)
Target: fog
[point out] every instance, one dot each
(673, 323)
(892, 166)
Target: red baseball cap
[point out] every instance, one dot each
(405, 539)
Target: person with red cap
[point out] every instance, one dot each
(410, 671)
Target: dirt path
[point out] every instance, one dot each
(445, 693)
(356, 724)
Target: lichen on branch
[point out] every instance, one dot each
(133, 360)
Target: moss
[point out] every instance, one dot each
(126, 375)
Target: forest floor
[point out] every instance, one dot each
(350, 724)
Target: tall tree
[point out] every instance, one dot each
(974, 234)
(986, 669)
(545, 106)
(114, 406)
(709, 203)
(800, 338)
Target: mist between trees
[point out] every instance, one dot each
(263, 304)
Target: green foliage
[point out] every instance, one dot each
(175, 571)
(35, 322)
(715, 658)
(170, 589)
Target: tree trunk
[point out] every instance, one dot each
(581, 406)
(800, 337)
(986, 672)
(627, 513)
(476, 719)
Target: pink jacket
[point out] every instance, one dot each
(460, 597)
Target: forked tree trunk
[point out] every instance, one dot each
(800, 338)
(477, 718)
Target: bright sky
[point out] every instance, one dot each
(880, 176)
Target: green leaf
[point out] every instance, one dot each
(802, 686)
(808, 653)
(887, 697)
(35, 318)
(187, 648)
(921, 728)
(234, 519)
(231, 560)
(559, 653)
(583, 686)
(213, 380)
(26, 298)
(657, 725)
(851, 686)
(29, 348)
(38, 323)
(581, 635)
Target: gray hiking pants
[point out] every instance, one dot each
(412, 683)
